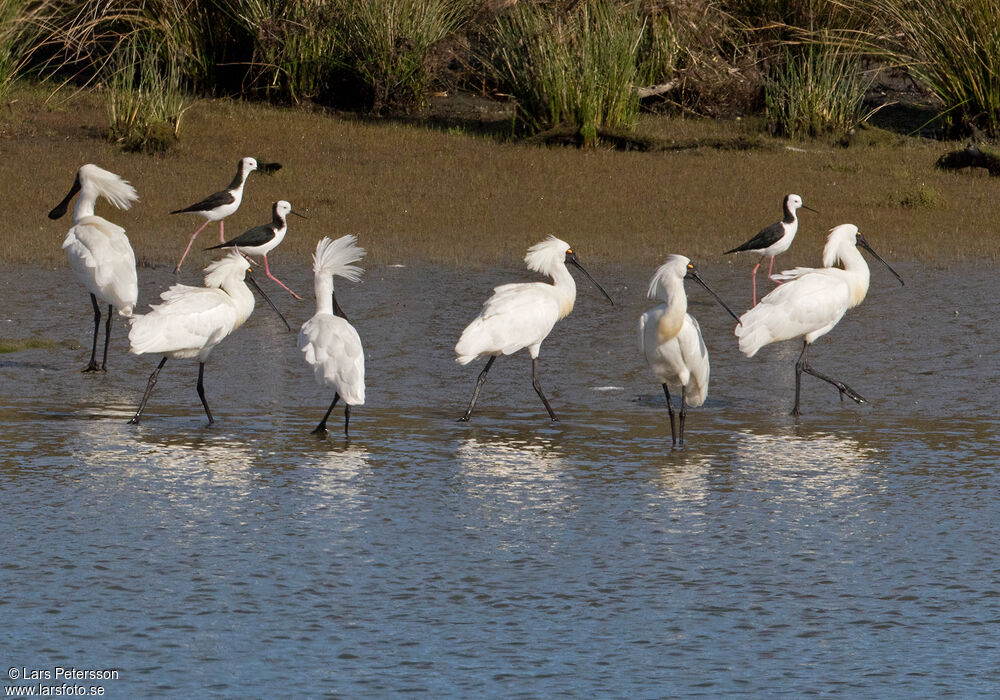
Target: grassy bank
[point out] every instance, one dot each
(415, 194)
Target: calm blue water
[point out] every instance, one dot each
(852, 552)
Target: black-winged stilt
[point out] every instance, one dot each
(811, 303)
(260, 240)
(218, 206)
(774, 239)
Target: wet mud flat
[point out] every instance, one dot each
(844, 550)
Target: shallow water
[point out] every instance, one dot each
(852, 550)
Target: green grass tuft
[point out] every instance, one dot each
(574, 68)
(819, 90)
(952, 48)
(9, 345)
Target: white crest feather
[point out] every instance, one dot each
(223, 269)
(108, 185)
(838, 234)
(334, 257)
(543, 257)
(675, 266)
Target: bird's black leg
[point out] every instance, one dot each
(799, 365)
(841, 387)
(149, 390)
(321, 428)
(538, 388)
(479, 385)
(670, 410)
(93, 366)
(803, 366)
(347, 420)
(107, 339)
(683, 411)
(201, 391)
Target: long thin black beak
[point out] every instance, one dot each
(572, 259)
(864, 244)
(59, 210)
(692, 274)
(337, 311)
(301, 216)
(810, 209)
(253, 282)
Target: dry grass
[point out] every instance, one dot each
(418, 195)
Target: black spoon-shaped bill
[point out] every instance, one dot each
(59, 210)
(253, 283)
(692, 274)
(864, 244)
(575, 262)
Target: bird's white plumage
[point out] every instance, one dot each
(99, 252)
(812, 300)
(670, 338)
(329, 343)
(332, 347)
(102, 258)
(191, 321)
(521, 315)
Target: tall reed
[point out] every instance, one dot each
(387, 45)
(295, 45)
(574, 68)
(144, 98)
(819, 89)
(21, 31)
(661, 47)
(951, 47)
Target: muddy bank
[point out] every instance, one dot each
(449, 194)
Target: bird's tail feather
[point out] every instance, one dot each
(753, 334)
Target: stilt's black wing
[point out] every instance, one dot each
(767, 237)
(212, 201)
(258, 235)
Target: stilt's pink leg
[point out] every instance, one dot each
(753, 276)
(267, 271)
(193, 236)
(222, 235)
(770, 270)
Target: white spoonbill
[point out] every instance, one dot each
(811, 303)
(99, 251)
(671, 339)
(217, 206)
(774, 239)
(261, 240)
(328, 340)
(521, 315)
(191, 321)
